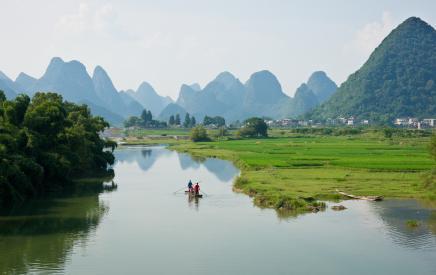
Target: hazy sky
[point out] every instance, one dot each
(168, 43)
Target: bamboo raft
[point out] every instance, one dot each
(191, 194)
(368, 198)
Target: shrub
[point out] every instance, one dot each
(199, 133)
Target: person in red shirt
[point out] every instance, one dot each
(197, 189)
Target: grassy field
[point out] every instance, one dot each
(295, 171)
(159, 132)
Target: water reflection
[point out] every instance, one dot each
(144, 157)
(193, 201)
(223, 170)
(149, 227)
(187, 161)
(396, 213)
(42, 233)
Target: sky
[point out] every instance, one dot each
(169, 43)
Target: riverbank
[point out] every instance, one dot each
(295, 173)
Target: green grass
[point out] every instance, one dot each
(290, 172)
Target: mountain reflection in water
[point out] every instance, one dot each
(146, 157)
(149, 227)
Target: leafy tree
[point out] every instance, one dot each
(187, 122)
(177, 120)
(199, 133)
(254, 127)
(133, 121)
(45, 142)
(218, 121)
(172, 120)
(193, 121)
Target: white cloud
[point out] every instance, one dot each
(373, 33)
(93, 18)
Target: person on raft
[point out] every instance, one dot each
(197, 188)
(190, 189)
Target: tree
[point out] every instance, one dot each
(207, 120)
(133, 121)
(217, 121)
(144, 116)
(187, 122)
(147, 118)
(199, 133)
(193, 121)
(254, 127)
(177, 120)
(171, 120)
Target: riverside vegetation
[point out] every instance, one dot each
(296, 169)
(45, 143)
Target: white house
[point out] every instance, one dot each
(401, 121)
(429, 121)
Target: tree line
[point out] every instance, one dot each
(46, 142)
(188, 122)
(145, 120)
(252, 128)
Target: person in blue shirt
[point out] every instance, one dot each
(190, 186)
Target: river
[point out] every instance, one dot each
(138, 225)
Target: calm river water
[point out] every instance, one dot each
(142, 227)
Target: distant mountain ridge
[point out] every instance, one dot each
(147, 96)
(398, 79)
(111, 98)
(322, 86)
(72, 81)
(261, 95)
(226, 95)
(8, 86)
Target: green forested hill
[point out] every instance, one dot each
(397, 80)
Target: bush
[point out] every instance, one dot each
(388, 132)
(199, 133)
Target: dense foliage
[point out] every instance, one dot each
(144, 121)
(254, 127)
(199, 133)
(45, 142)
(217, 121)
(398, 80)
